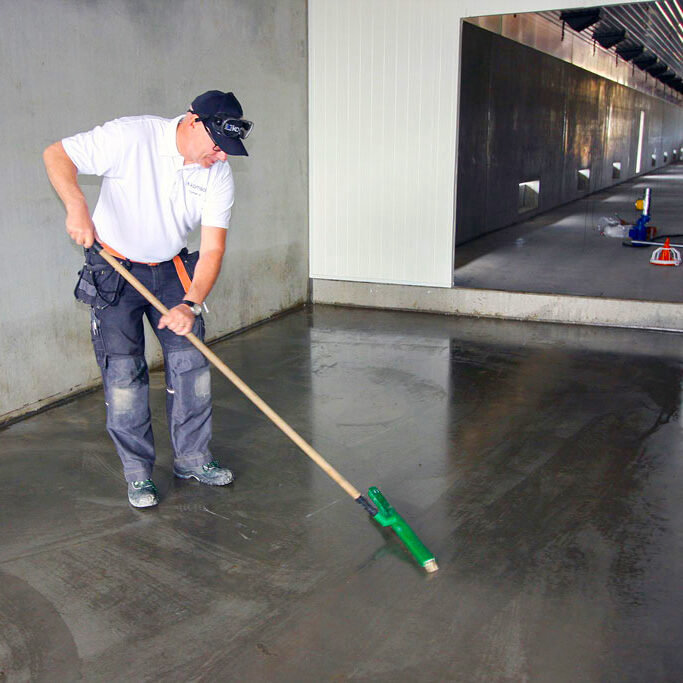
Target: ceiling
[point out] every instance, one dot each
(656, 27)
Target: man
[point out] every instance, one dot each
(161, 179)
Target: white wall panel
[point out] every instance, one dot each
(382, 105)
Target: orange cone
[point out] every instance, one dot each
(666, 255)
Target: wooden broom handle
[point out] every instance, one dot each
(249, 393)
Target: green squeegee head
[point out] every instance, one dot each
(387, 516)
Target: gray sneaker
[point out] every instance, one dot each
(211, 473)
(142, 494)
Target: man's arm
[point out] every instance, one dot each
(62, 173)
(180, 319)
(211, 250)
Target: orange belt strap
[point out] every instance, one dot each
(113, 252)
(177, 262)
(182, 272)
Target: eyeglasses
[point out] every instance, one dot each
(216, 148)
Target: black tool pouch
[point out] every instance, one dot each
(189, 258)
(98, 286)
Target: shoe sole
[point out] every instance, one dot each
(202, 481)
(144, 505)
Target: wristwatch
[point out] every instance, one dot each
(196, 308)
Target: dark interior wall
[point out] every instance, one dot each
(526, 116)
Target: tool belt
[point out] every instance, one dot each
(99, 285)
(177, 262)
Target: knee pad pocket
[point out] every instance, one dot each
(127, 371)
(186, 360)
(191, 368)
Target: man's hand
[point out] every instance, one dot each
(180, 319)
(79, 225)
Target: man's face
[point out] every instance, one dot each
(204, 151)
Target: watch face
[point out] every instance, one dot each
(194, 307)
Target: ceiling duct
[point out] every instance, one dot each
(644, 61)
(657, 69)
(630, 51)
(609, 37)
(667, 77)
(641, 33)
(653, 34)
(581, 19)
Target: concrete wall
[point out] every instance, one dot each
(527, 116)
(69, 65)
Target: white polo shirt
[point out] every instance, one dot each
(150, 200)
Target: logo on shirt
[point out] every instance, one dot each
(195, 189)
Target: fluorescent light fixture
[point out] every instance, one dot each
(639, 154)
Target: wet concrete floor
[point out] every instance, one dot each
(562, 252)
(541, 463)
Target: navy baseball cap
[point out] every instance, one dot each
(221, 114)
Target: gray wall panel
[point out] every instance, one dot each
(525, 115)
(475, 149)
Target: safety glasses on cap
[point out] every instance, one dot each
(233, 128)
(228, 126)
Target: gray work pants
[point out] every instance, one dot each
(118, 339)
